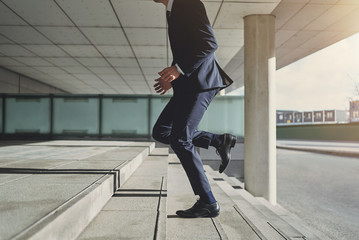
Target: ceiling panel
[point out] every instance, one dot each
(231, 13)
(50, 70)
(223, 61)
(298, 39)
(14, 51)
(33, 61)
(105, 36)
(129, 70)
(47, 50)
(152, 52)
(87, 77)
(131, 78)
(8, 61)
(308, 14)
(97, 50)
(329, 17)
(147, 36)
(90, 13)
(229, 37)
(153, 62)
(65, 77)
(63, 61)
(64, 35)
(123, 62)
(17, 33)
(111, 78)
(8, 17)
(282, 36)
(93, 62)
(25, 70)
(77, 69)
(116, 51)
(81, 50)
(226, 52)
(212, 9)
(39, 12)
(151, 71)
(139, 13)
(103, 70)
(286, 10)
(347, 22)
(4, 40)
(318, 39)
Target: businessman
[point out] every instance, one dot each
(196, 78)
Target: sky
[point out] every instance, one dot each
(323, 80)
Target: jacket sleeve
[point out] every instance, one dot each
(202, 42)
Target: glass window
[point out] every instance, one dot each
(125, 116)
(157, 105)
(76, 115)
(27, 115)
(329, 114)
(224, 114)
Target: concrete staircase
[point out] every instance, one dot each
(53, 190)
(123, 190)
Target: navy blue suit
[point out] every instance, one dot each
(193, 45)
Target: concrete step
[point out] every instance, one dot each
(53, 190)
(267, 220)
(138, 209)
(229, 225)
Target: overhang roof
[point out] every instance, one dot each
(118, 46)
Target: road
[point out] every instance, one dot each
(323, 190)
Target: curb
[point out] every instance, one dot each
(322, 151)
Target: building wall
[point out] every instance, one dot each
(11, 82)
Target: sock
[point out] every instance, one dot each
(207, 198)
(217, 140)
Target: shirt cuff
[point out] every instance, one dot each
(179, 69)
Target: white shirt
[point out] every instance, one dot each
(169, 8)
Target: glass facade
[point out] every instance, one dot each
(107, 115)
(157, 105)
(125, 116)
(76, 115)
(27, 115)
(224, 115)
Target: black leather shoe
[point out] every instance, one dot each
(225, 150)
(200, 210)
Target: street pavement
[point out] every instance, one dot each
(322, 190)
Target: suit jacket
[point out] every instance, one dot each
(193, 45)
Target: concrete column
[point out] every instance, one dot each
(260, 125)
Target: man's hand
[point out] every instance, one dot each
(162, 86)
(169, 74)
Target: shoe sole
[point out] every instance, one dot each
(211, 215)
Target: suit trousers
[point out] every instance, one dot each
(177, 126)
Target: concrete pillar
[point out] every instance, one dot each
(260, 122)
